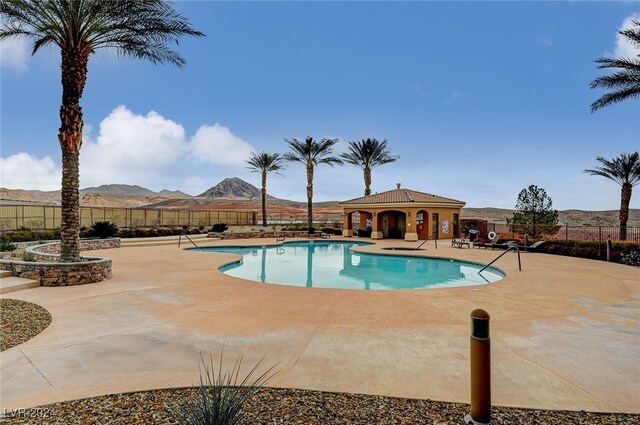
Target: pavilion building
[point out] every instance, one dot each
(403, 214)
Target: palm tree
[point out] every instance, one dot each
(624, 170)
(366, 154)
(141, 29)
(626, 80)
(265, 163)
(311, 153)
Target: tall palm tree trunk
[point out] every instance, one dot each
(74, 76)
(309, 197)
(367, 181)
(625, 199)
(264, 198)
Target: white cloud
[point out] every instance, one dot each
(454, 96)
(23, 171)
(545, 41)
(14, 53)
(623, 47)
(217, 145)
(131, 148)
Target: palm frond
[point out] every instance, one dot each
(368, 153)
(625, 82)
(632, 34)
(140, 29)
(615, 97)
(624, 169)
(265, 162)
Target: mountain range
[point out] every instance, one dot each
(235, 194)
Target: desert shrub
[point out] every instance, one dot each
(6, 245)
(592, 250)
(219, 227)
(28, 257)
(85, 232)
(331, 230)
(103, 229)
(25, 235)
(146, 232)
(631, 258)
(220, 397)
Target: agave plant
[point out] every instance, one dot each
(220, 397)
(103, 229)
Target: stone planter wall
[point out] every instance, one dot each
(267, 234)
(90, 270)
(51, 272)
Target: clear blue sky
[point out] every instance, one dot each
(479, 100)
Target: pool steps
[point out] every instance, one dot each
(10, 283)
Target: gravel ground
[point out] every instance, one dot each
(20, 321)
(285, 406)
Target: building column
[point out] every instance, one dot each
(376, 233)
(347, 229)
(411, 233)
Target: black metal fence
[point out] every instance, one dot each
(566, 233)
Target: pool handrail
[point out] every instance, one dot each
(190, 240)
(510, 248)
(427, 240)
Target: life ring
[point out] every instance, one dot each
(492, 235)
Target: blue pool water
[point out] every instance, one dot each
(326, 264)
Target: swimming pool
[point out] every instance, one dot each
(331, 264)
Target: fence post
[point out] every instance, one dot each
(480, 369)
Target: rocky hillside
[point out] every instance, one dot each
(236, 194)
(232, 188)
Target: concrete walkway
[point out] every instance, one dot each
(565, 332)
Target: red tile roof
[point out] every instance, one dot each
(399, 196)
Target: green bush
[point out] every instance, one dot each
(5, 245)
(331, 231)
(145, 232)
(28, 257)
(219, 227)
(591, 249)
(103, 229)
(26, 235)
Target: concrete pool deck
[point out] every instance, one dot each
(565, 331)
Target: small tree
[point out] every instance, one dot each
(535, 215)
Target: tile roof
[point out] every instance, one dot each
(397, 196)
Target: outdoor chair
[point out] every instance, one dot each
(533, 247)
(493, 244)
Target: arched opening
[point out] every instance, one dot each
(392, 224)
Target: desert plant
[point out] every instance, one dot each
(103, 229)
(6, 245)
(219, 227)
(27, 256)
(140, 29)
(220, 396)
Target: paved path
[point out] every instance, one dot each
(565, 332)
